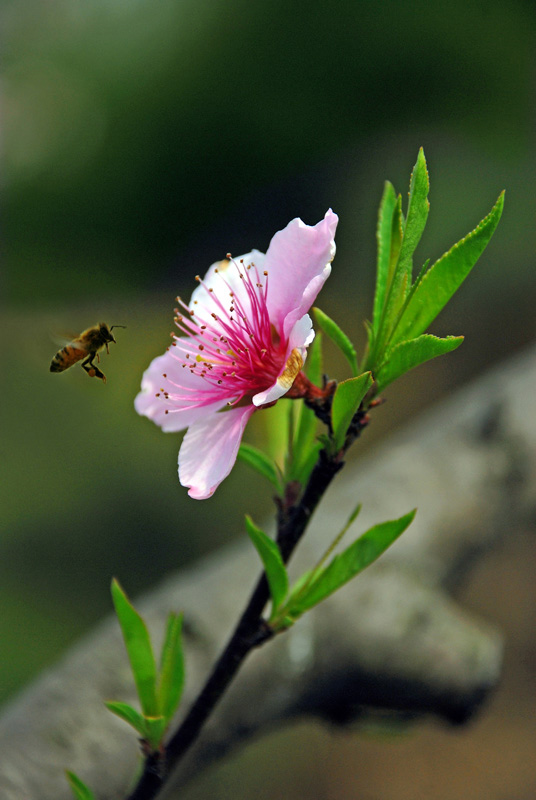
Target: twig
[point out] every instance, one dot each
(251, 630)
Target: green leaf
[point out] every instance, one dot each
(129, 715)
(305, 465)
(79, 788)
(439, 283)
(353, 516)
(303, 583)
(346, 400)
(150, 728)
(407, 355)
(275, 422)
(262, 463)
(337, 336)
(418, 207)
(298, 588)
(398, 286)
(351, 561)
(272, 562)
(171, 681)
(383, 237)
(139, 649)
(313, 364)
(304, 444)
(304, 447)
(397, 234)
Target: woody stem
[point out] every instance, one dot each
(249, 633)
(251, 630)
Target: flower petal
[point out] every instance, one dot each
(283, 382)
(298, 263)
(209, 449)
(221, 279)
(188, 400)
(301, 335)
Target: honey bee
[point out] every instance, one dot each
(86, 346)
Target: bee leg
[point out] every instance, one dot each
(92, 370)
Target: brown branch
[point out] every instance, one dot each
(245, 637)
(251, 630)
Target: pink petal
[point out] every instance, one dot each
(209, 449)
(196, 401)
(301, 335)
(298, 262)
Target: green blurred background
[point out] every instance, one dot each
(144, 140)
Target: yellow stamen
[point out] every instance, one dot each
(292, 367)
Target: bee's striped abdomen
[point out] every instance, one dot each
(66, 358)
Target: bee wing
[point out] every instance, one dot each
(68, 340)
(70, 352)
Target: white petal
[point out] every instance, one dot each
(209, 449)
(275, 391)
(222, 278)
(302, 334)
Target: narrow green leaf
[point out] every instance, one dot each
(298, 588)
(305, 465)
(301, 586)
(129, 715)
(351, 561)
(292, 418)
(150, 728)
(313, 364)
(337, 336)
(367, 362)
(262, 463)
(398, 285)
(139, 649)
(78, 787)
(353, 516)
(411, 291)
(397, 234)
(171, 681)
(346, 400)
(270, 556)
(304, 447)
(383, 238)
(439, 283)
(407, 355)
(275, 424)
(304, 443)
(418, 207)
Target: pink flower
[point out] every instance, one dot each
(246, 336)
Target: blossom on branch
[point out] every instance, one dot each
(246, 332)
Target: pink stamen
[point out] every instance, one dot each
(256, 358)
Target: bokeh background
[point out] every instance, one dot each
(143, 141)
